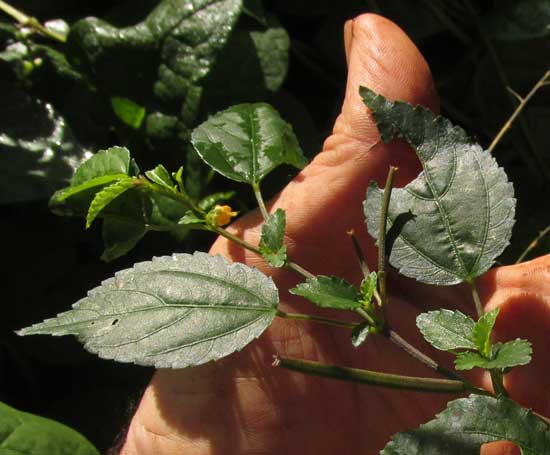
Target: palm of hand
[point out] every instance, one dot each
(242, 405)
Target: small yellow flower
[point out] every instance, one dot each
(222, 214)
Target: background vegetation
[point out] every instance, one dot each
(286, 52)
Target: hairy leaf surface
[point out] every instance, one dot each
(22, 433)
(328, 292)
(246, 142)
(172, 312)
(467, 423)
(451, 222)
(503, 355)
(447, 330)
(271, 244)
(481, 333)
(107, 195)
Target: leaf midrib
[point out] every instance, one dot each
(437, 202)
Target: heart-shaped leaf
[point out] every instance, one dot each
(246, 142)
(172, 312)
(22, 433)
(468, 423)
(450, 223)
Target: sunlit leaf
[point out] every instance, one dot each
(450, 223)
(172, 312)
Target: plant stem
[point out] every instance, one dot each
(520, 107)
(366, 316)
(400, 342)
(534, 162)
(28, 21)
(362, 262)
(368, 377)
(496, 375)
(359, 253)
(260, 199)
(533, 244)
(477, 300)
(382, 235)
(290, 265)
(317, 319)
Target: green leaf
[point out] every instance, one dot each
(107, 195)
(359, 334)
(514, 20)
(468, 423)
(172, 312)
(368, 286)
(273, 234)
(469, 360)
(246, 142)
(481, 334)
(272, 47)
(447, 330)
(253, 64)
(61, 195)
(504, 355)
(190, 219)
(22, 433)
(130, 113)
(102, 168)
(211, 200)
(112, 161)
(328, 292)
(439, 233)
(276, 258)
(38, 151)
(120, 236)
(160, 176)
(510, 354)
(160, 63)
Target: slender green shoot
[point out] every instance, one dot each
(374, 378)
(32, 22)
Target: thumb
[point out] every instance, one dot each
(325, 199)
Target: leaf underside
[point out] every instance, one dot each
(172, 312)
(328, 292)
(447, 330)
(451, 222)
(468, 423)
(246, 142)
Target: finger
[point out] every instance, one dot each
(324, 200)
(522, 293)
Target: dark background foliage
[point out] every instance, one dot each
(474, 53)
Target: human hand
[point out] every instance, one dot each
(241, 404)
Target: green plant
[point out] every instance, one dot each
(185, 310)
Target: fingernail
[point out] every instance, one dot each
(348, 38)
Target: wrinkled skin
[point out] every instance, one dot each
(243, 405)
